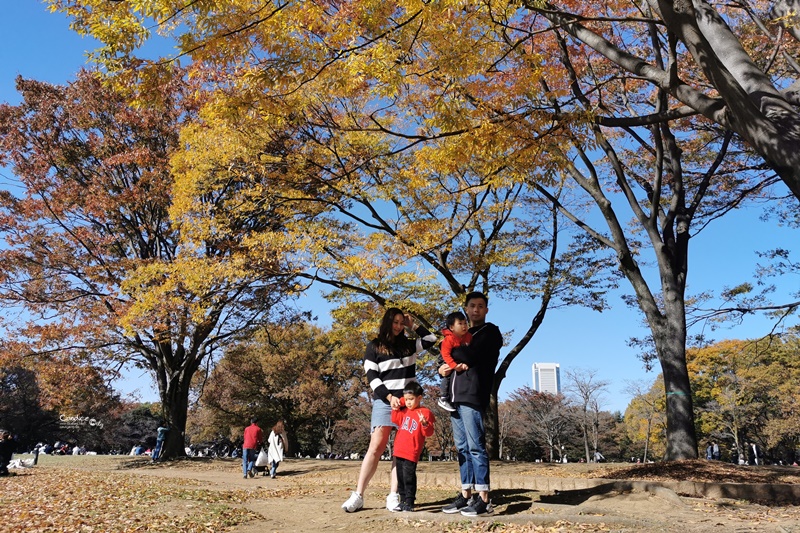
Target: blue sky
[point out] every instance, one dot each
(37, 44)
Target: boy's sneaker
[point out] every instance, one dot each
(393, 502)
(459, 503)
(353, 503)
(478, 507)
(447, 406)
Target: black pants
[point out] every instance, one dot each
(444, 382)
(406, 480)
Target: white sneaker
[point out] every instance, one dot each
(353, 503)
(393, 501)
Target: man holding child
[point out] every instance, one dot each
(471, 389)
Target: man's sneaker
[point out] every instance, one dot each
(447, 406)
(459, 503)
(353, 503)
(478, 507)
(407, 508)
(393, 502)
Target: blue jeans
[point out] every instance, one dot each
(248, 460)
(157, 449)
(273, 468)
(470, 438)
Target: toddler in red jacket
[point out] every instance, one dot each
(456, 335)
(414, 424)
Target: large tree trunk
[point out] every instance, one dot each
(755, 108)
(681, 437)
(175, 405)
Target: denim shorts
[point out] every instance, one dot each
(381, 415)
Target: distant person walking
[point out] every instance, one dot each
(253, 439)
(755, 456)
(275, 447)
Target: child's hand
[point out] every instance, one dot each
(423, 420)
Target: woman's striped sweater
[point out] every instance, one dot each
(389, 373)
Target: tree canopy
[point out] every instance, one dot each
(375, 112)
(93, 265)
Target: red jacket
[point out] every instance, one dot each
(410, 438)
(253, 437)
(451, 341)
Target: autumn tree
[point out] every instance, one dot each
(545, 417)
(587, 392)
(645, 419)
(21, 411)
(351, 434)
(57, 400)
(292, 373)
(746, 391)
(93, 266)
(572, 105)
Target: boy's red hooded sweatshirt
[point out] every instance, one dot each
(410, 438)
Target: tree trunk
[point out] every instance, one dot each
(755, 109)
(175, 405)
(585, 437)
(681, 437)
(490, 422)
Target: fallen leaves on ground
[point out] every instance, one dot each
(74, 500)
(703, 471)
(561, 526)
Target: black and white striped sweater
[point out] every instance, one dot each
(389, 373)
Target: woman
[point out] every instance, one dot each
(275, 449)
(390, 364)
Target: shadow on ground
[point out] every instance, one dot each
(515, 500)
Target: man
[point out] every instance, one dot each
(253, 439)
(471, 391)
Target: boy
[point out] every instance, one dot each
(414, 424)
(456, 335)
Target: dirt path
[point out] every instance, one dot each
(307, 496)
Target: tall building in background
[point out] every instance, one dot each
(547, 377)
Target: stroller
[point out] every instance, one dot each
(262, 462)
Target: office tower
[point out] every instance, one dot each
(547, 377)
